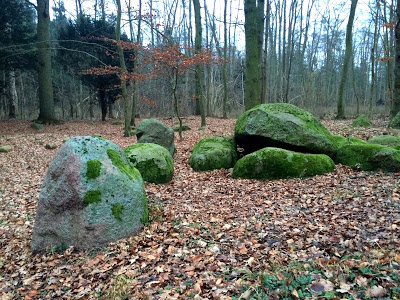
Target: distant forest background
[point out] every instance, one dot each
(303, 49)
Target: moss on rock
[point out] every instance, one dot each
(395, 122)
(123, 166)
(369, 157)
(386, 140)
(93, 169)
(361, 121)
(117, 210)
(213, 153)
(153, 161)
(276, 163)
(93, 196)
(282, 125)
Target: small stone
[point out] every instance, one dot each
(5, 148)
(37, 126)
(50, 146)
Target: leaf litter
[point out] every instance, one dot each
(210, 237)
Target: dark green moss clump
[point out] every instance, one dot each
(395, 122)
(93, 169)
(213, 153)
(123, 166)
(92, 197)
(117, 211)
(275, 163)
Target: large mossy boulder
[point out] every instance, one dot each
(276, 163)
(153, 161)
(361, 121)
(285, 126)
(213, 153)
(91, 195)
(369, 157)
(156, 132)
(395, 122)
(386, 140)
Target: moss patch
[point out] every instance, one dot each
(92, 197)
(93, 169)
(386, 140)
(361, 121)
(369, 157)
(123, 166)
(117, 210)
(275, 163)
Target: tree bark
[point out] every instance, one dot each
(224, 79)
(124, 92)
(12, 95)
(199, 68)
(395, 109)
(347, 61)
(252, 81)
(46, 101)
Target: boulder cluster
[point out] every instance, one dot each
(280, 140)
(93, 192)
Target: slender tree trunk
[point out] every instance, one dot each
(395, 109)
(347, 61)
(12, 95)
(124, 92)
(46, 101)
(224, 79)
(373, 75)
(199, 68)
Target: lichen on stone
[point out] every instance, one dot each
(117, 210)
(93, 169)
(93, 196)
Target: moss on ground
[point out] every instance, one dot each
(93, 196)
(93, 169)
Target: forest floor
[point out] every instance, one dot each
(210, 237)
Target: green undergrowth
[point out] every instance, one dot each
(352, 277)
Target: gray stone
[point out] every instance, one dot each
(213, 153)
(285, 126)
(156, 132)
(90, 196)
(276, 163)
(153, 161)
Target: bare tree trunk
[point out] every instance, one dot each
(252, 78)
(224, 80)
(347, 61)
(46, 101)
(199, 69)
(12, 95)
(395, 109)
(127, 102)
